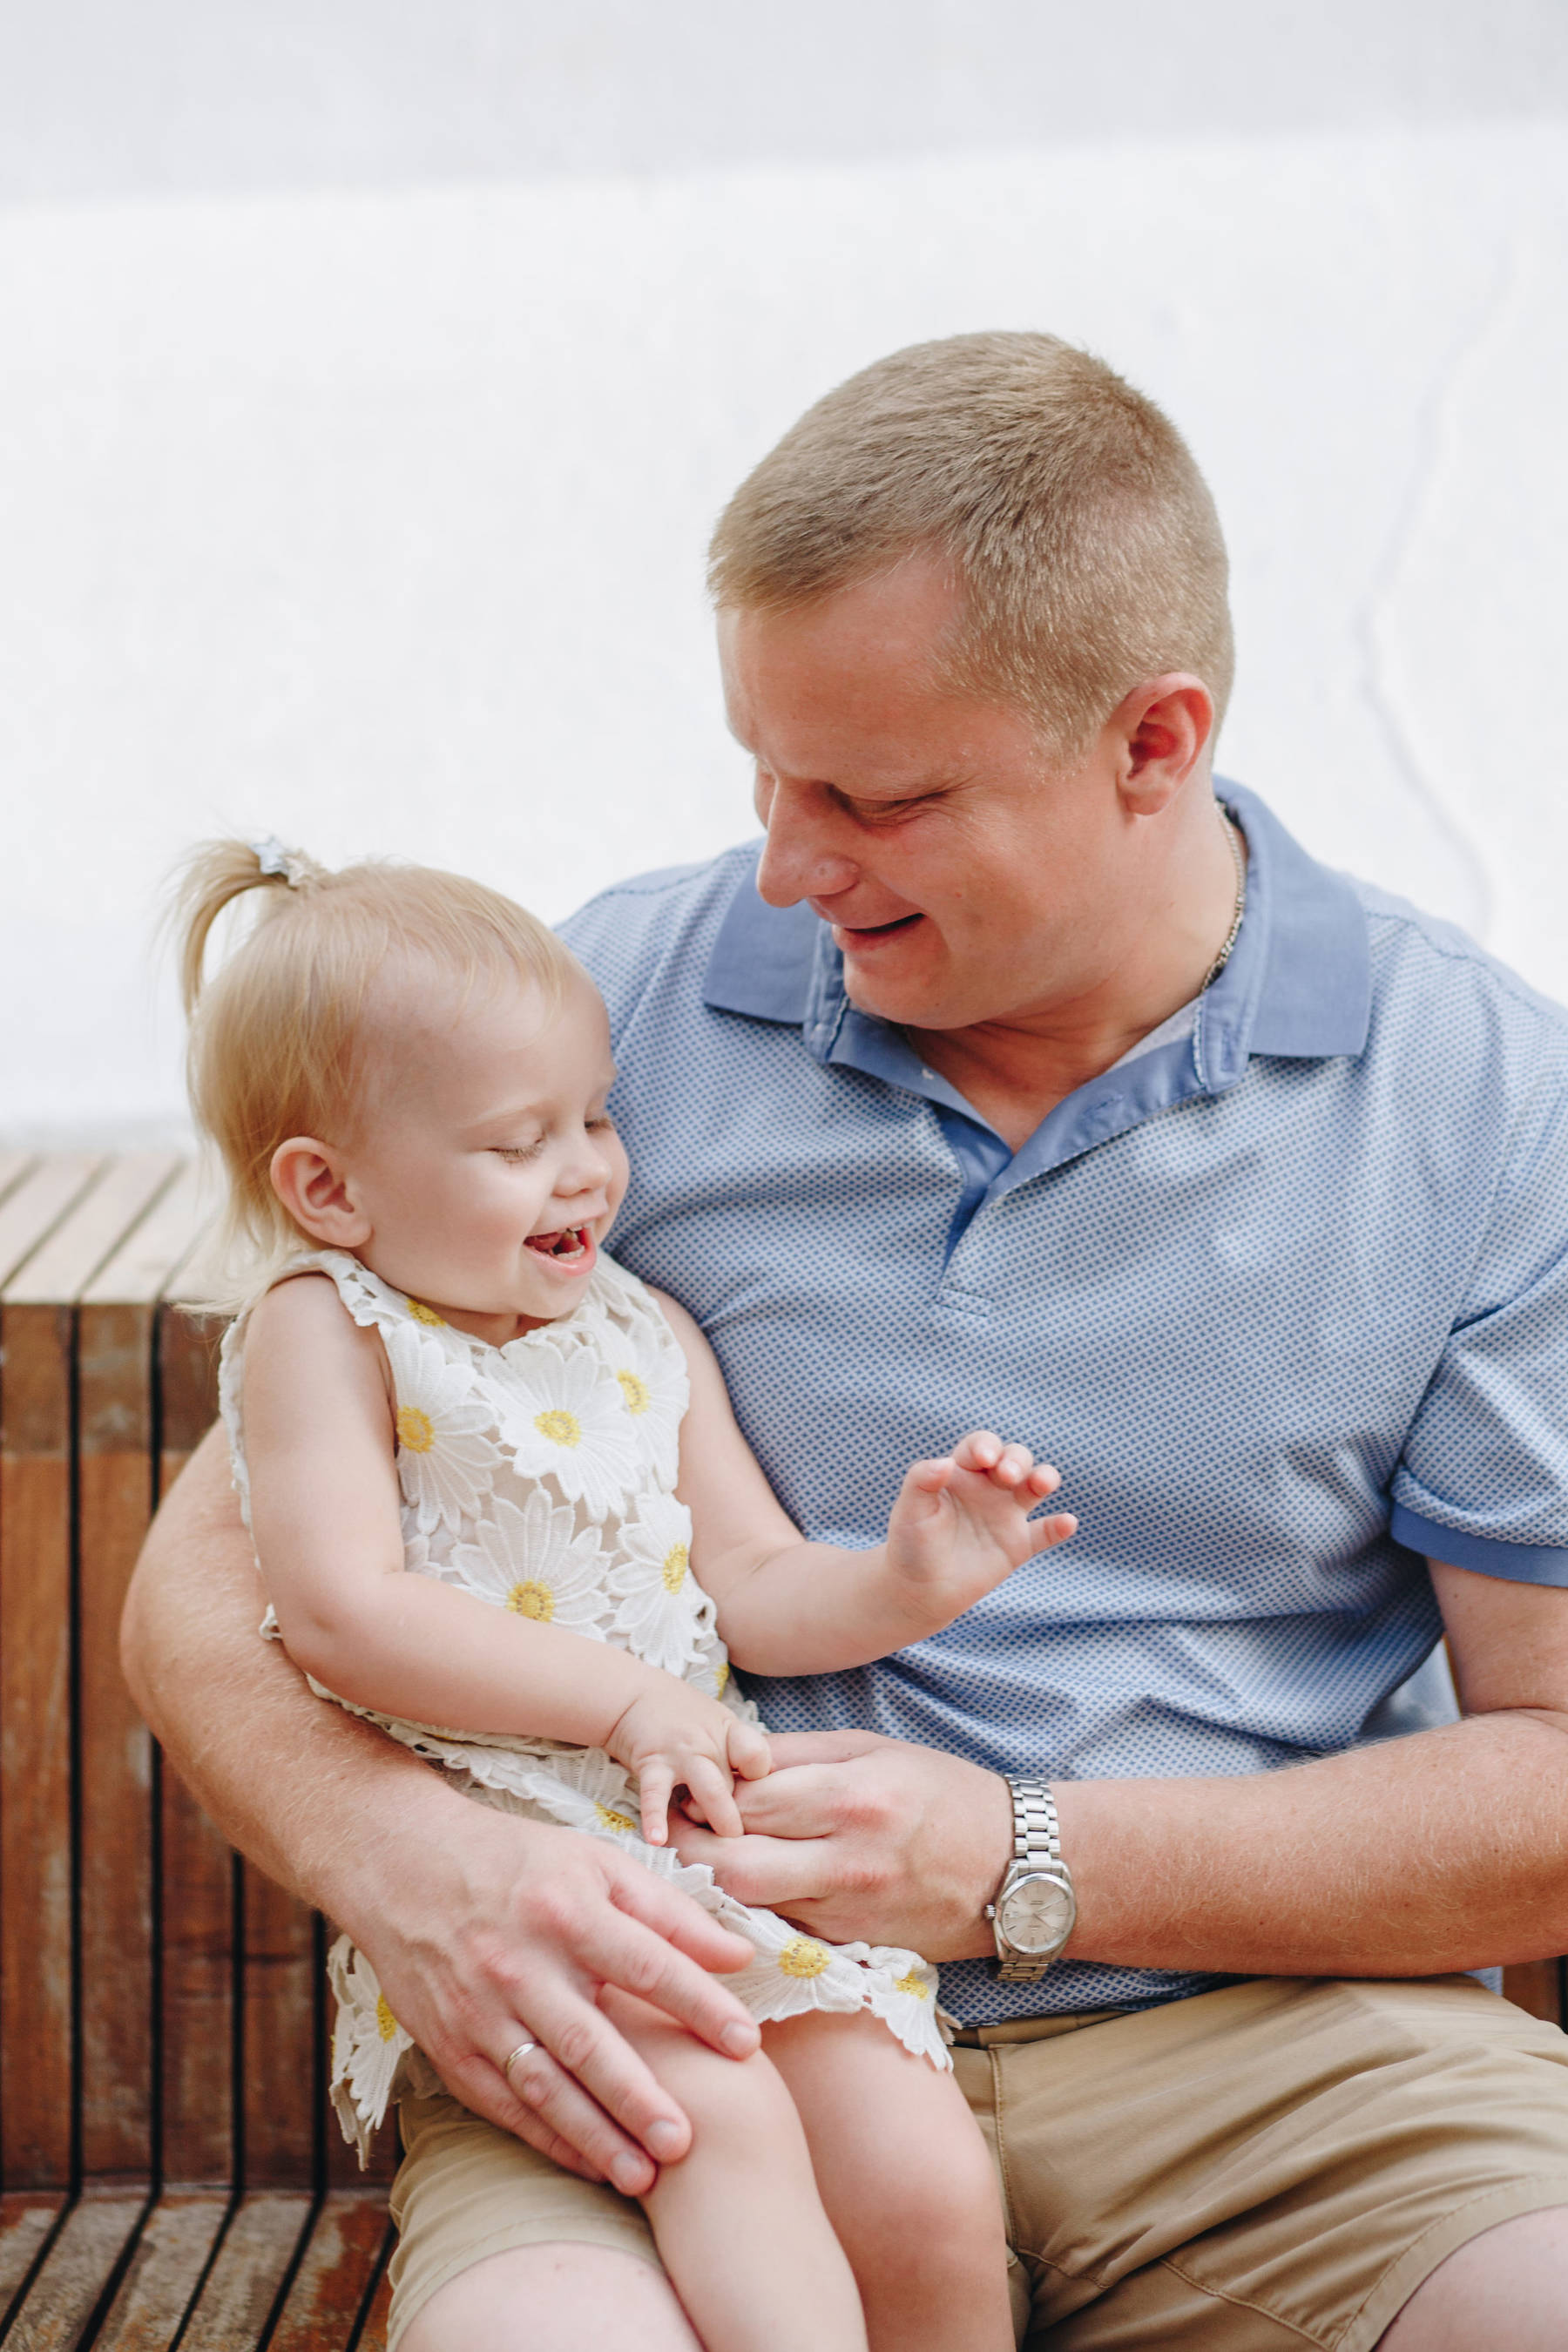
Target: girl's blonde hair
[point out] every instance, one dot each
(278, 1034)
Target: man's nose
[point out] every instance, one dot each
(800, 856)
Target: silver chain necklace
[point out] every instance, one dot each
(1233, 841)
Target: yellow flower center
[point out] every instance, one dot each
(803, 1956)
(636, 1392)
(414, 1429)
(385, 2024)
(914, 1984)
(561, 1428)
(722, 1677)
(609, 1820)
(423, 1314)
(530, 1599)
(677, 1561)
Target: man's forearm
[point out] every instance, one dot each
(279, 1770)
(1446, 1850)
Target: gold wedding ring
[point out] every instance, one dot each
(520, 2052)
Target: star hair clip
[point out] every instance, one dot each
(273, 858)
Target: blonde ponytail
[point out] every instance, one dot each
(276, 1032)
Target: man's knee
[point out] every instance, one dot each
(551, 2298)
(1507, 2286)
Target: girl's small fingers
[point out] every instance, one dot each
(1044, 1480)
(715, 1793)
(655, 1786)
(1054, 1530)
(981, 1450)
(1014, 1467)
(750, 1754)
(929, 1477)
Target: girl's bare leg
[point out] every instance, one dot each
(739, 2223)
(907, 2183)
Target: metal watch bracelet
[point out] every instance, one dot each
(1037, 1856)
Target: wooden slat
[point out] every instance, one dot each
(141, 1269)
(372, 2334)
(14, 1166)
(1538, 1986)
(75, 2275)
(63, 1265)
(337, 2273)
(37, 1205)
(244, 2283)
(164, 2272)
(197, 1925)
(114, 1503)
(35, 1857)
(198, 1869)
(280, 2065)
(26, 2221)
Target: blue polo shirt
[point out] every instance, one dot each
(1285, 1298)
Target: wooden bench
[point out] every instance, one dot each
(167, 2164)
(168, 2167)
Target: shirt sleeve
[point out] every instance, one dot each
(1482, 1482)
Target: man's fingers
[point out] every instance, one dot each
(670, 1968)
(793, 1749)
(581, 2081)
(484, 2089)
(773, 1873)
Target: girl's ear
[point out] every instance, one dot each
(313, 1182)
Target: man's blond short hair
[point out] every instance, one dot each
(1081, 536)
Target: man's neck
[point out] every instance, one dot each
(1016, 1069)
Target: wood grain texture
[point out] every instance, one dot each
(95, 1227)
(1539, 1987)
(199, 1879)
(337, 2274)
(114, 1503)
(244, 2285)
(372, 2334)
(163, 2274)
(197, 1918)
(36, 1844)
(25, 2219)
(33, 1208)
(144, 1264)
(280, 2063)
(59, 2306)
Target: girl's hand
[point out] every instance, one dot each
(673, 1737)
(961, 1524)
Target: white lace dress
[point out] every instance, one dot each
(540, 1476)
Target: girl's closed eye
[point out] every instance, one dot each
(519, 1151)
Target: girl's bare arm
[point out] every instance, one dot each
(480, 1925)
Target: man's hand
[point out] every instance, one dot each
(960, 1526)
(510, 1936)
(852, 1835)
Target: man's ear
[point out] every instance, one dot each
(313, 1182)
(1162, 729)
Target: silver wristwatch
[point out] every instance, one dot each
(1034, 1911)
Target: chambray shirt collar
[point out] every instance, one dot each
(1298, 985)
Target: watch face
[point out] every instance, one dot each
(1036, 1913)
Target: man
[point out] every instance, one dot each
(1021, 1079)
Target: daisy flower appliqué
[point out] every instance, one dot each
(368, 2044)
(650, 1373)
(792, 1972)
(903, 1991)
(565, 1419)
(531, 1562)
(664, 1616)
(446, 1458)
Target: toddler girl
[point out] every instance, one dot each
(501, 1507)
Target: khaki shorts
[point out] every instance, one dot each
(1277, 2164)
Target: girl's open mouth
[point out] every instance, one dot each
(570, 1244)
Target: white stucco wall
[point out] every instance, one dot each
(374, 517)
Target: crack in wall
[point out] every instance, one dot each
(1433, 440)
